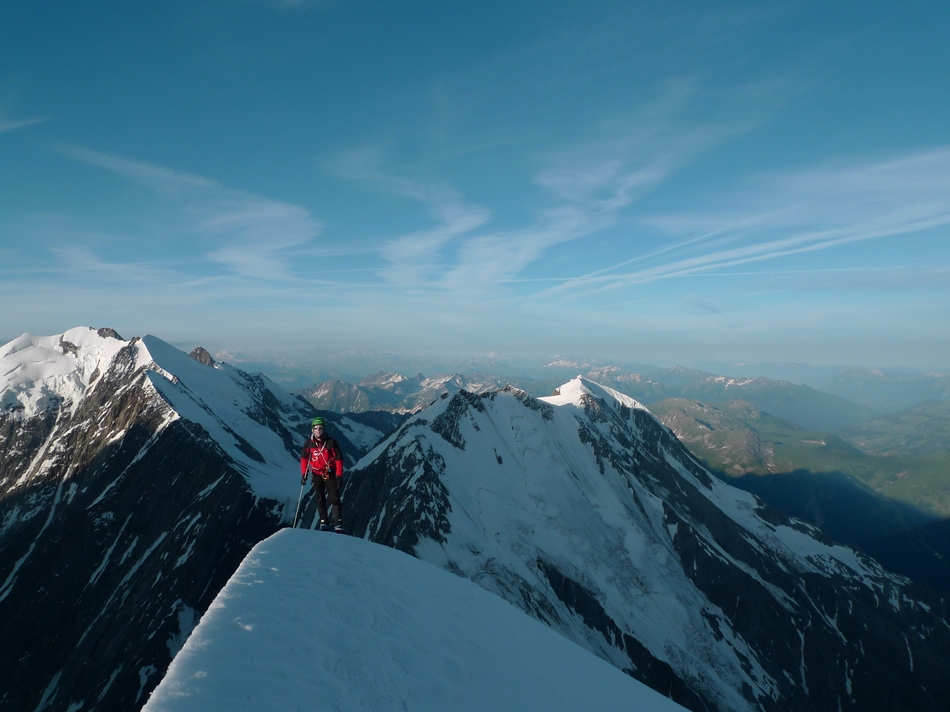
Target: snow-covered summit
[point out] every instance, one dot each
(40, 372)
(573, 393)
(249, 417)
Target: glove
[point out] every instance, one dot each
(303, 480)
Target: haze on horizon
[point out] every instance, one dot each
(675, 184)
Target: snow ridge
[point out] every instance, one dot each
(406, 636)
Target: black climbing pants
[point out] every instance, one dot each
(324, 488)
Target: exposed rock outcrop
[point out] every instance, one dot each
(201, 355)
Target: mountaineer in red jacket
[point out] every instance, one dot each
(321, 458)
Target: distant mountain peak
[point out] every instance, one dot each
(383, 379)
(201, 355)
(107, 332)
(574, 391)
(39, 373)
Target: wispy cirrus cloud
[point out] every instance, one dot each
(782, 216)
(248, 235)
(585, 189)
(147, 174)
(8, 124)
(419, 258)
(84, 260)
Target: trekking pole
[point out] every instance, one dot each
(300, 497)
(297, 511)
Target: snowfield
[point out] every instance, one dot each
(317, 621)
(39, 373)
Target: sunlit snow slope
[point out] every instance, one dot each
(316, 621)
(587, 513)
(49, 373)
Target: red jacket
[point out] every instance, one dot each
(322, 457)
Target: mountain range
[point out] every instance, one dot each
(904, 456)
(584, 511)
(889, 390)
(135, 479)
(394, 392)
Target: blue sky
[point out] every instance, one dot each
(658, 182)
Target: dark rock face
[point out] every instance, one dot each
(202, 356)
(115, 546)
(598, 522)
(644, 666)
(410, 475)
(447, 424)
(112, 588)
(106, 332)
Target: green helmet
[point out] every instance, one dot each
(318, 421)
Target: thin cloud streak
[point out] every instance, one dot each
(416, 259)
(10, 125)
(256, 231)
(589, 187)
(82, 260)
(147, 174)
(903, 196)
(755, 253)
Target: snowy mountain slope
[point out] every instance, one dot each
(336, 395)
(233, 407)
(369, 629)
(133, 480)
(587, 513)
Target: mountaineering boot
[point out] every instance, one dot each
(339, 529)
(324, 527)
